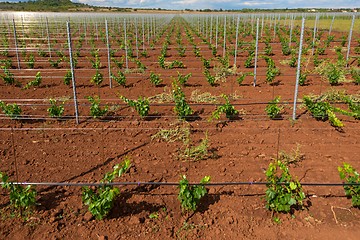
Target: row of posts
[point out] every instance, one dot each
(216, 45)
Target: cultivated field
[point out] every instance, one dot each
(195, 95)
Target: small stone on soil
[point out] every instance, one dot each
(210, 222)
(52, 220)
(230, 220)
(135, 123)
(134, 220)
(142, 220)
(88, 216)
(183, 169)
(245, 153)
(57, 213)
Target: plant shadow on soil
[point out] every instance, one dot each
(89, 85)
(276, 83)
(108, 161)
(249, 84)
(5, 204)
(306, 84)
(51, 199)
(108, 118)
(192, 85)
(278, 117)
(207, 201)
(48, 85)
(161, 85)
(153, 116)
(194, 117)
(31, 120)
(338, 129)
(122, 208)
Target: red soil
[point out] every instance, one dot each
(60, 151)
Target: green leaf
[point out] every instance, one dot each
(189, 196)
(292, 186)
(350, 176)
(292, 202)
(282, 197)
(154, 215)
(205, 180)
(101, 200)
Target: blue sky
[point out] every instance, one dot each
(224, 4)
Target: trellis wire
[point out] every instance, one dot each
(119, 128)
(81, 184)
(72, 72)
(43, 24)
(166, 118)
(169, 104)
(298, 68)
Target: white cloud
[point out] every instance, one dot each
(256, 3)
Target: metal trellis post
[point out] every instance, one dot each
(236, 39)
(72, 73)
(256, 49)
(108, 52)
(350, 36)
(16, 45)
(48, 36)
(224, 47)
(298, 69)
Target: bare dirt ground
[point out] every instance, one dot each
(48, 150)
